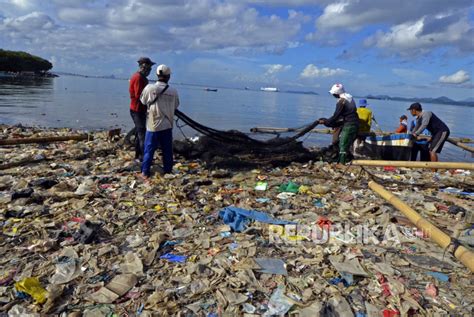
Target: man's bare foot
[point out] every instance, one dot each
(143, 177)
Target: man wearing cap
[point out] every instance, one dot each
(162, 100)
(346, 111)
(365, 116)
(138, 81)
(438, 129)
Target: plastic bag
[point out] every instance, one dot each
(32, 287)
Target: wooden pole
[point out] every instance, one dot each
(442, 239)
(455, 141)
(462, 140)
(462, 146)
(21, 162)
(320, 131)
(415, 164)
(50, 139)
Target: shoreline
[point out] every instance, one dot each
(88, 225)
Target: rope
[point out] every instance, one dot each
(240, 139)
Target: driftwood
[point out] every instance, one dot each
(25, 161)
(442, 239)
(49, 139)
(415, 164)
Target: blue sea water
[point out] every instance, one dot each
(95, 103)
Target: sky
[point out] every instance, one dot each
(407, 48)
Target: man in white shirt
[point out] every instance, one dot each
(161, 101)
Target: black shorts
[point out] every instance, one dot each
(437, 141)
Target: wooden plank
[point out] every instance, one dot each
(50, 139)
(415, 164)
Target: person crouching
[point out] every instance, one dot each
(346, 111)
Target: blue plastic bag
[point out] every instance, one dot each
(174, 258)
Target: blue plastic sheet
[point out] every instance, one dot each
(174, 257)
(457, 191)
(238, 218)
(439, 276)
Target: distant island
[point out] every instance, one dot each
(89, 76)
(19, 63)
(440, 100)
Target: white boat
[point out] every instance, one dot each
(272, 89)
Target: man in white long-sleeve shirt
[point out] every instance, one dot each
(161, 101)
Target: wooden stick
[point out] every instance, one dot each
(26, 161)
(462, 146)
(462, 140)
(435, 234)
(455, 141)
(50, 139)
(415, 164)
(321, 131)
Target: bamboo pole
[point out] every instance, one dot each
(50, 139)
(462, 146)
(415, 164)
(442, 239)
(455, 141)
(320, 131)
(462, 140)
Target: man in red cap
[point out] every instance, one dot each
(138, 81)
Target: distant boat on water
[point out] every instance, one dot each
(210, 89)
(271, 89)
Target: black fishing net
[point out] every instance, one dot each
(237, 150)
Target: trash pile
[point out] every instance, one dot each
(82, 235)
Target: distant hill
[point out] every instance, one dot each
(18, 62)
(468, 100)
(439, 100)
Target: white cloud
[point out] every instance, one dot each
(272, 70)
(459, 77)
(22, 3)
(414, 26)
(249, 30)
(353, 15)
(35, 21)
(287, 3)
(410, 38)
(91, 27)
(81, 15)
(311, 71)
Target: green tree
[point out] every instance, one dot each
(12, 61)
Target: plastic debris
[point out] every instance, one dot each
(67, 267)
(174, 258)
(101, 242)
(271, 266)
(289, 187)
(238, 218)
(262, 186)
(116, 288)
(439, 276)
(32, 287)
(279, 304)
